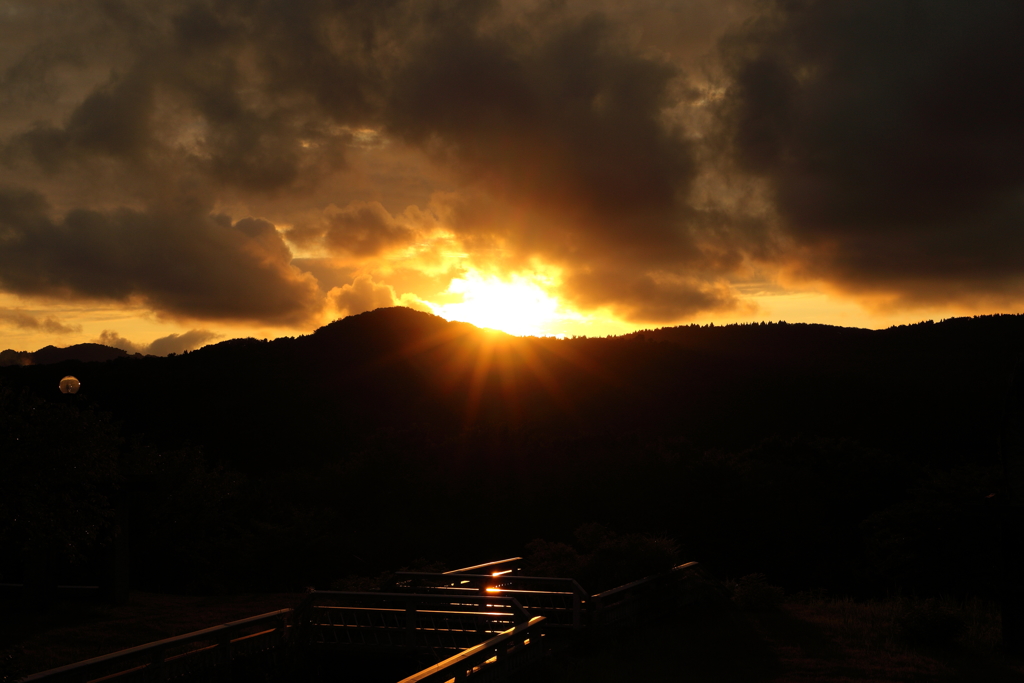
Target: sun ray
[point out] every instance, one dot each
(479, 376)
(532, 361)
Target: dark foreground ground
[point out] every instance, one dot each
(73, 631)
(821, 640)
(825, 641)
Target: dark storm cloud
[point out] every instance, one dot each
(360, 229)
(203, 102)
(557, 113)
(559, 136)
(234, 146)
(551, 117)
(181, 262)
(216, 92)
(890, 135)
(887, 134)
(647, 298)
(561, 131)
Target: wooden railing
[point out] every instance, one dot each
(492, 660)
(187, 656)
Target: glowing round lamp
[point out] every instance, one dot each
(69, 385)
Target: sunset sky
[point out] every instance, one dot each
(174, 173)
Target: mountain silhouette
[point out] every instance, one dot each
(930, 387)
(48, 355)
(823, 456)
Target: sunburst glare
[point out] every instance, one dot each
(518, 305)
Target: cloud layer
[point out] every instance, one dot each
(172, 343)
(182, 154)
(27, 321)
(180, 262)
(889, 135)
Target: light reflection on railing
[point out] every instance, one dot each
(510, 649)
(406, 621)
(466, 570)
(563, 601)
(430, 617)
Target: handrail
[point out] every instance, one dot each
(557, 598)
(156, 645)
(562, 600)
(477, 655)
(481, 566)
(380, 595)
(420, 602)
(604, 595)
(482, 578)
(650, 595)
(375, 596)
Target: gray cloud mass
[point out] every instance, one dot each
(890, 135)
(173, 152)
(181, 262)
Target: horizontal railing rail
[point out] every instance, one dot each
(490, 660)
(497, 620)
(489, 566)
(406, 620)
(647, 595)
(562, 601)
(179, 656)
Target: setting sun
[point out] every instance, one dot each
(518, 306)
(296, 294)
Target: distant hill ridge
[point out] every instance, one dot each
(399, 325)
(823, 454)
(399, 371)
(48, 355)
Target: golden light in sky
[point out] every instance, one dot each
(135, 210)
(518, 305)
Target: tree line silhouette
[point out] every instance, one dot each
(853, 460)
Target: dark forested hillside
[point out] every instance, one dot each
(52, 354)
(822, 456)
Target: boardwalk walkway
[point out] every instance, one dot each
(478, 623)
